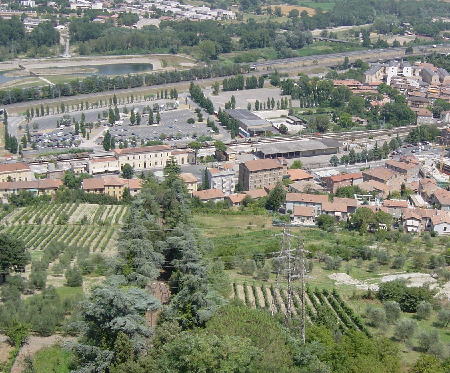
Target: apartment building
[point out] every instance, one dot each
(18, 171)
(221, 179)
(261, 173)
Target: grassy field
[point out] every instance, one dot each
(326, 7)
(52, 359)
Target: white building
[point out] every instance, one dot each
(222, 179)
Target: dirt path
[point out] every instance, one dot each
(33, 345)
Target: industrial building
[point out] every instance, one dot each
(299, 148)
(249, 123)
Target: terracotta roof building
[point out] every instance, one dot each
(303, 215)
(17, 171)
(38, 187)
(214, 195)
(333, 183)
(112, 185)
(299, 175)
(304, 199)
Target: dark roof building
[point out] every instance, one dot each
(249, 123)
(299, 148)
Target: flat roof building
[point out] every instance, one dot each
(299, 148)
(249, 123)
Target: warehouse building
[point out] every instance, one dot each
(250, 124)
(299, 148)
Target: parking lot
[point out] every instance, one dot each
(173, 127)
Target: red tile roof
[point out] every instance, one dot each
(307, 198)
(381, 173)
(303, 211)
(207, 194)
(187, 177)
(236, 198)
(12, 167)
(343, 177)
(262, 164)
(256, 193)
(392, 203)
(33, 184)
(298, 174)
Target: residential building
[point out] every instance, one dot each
(412, 222)
(103, 165)
(209, 195)
(440, 224)
(383, 175)
(17, 171)
(374, 74)
(299, 175)
(261, 173)
(395, 207)
(303, 199)
(333, 183)
(306, 187)
(142, 158)
(256, 193)
(441, 199)
(222, 179)
(429, 76)
(379, 189)
(190, 181)
(409, 170)
(235, 199)
(37, 187)
(424, 116)
(112, 186)
(336, 209)
(303, 215)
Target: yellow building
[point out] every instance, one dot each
(112, 186)
(18, 171)
(191, 182)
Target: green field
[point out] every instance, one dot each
(326, 7)
(52, 359)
